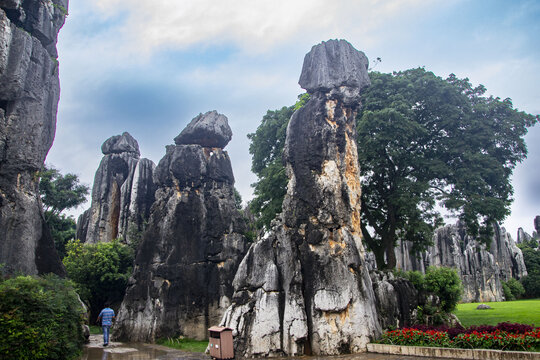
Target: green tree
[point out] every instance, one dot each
(424, 140)
(40, 318)
(100, 271)
(446, 284)
(58, 193)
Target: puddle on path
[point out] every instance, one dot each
(121, 351)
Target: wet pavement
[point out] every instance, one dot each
(122, 351)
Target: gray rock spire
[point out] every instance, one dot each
(29, 94)
(192, 246)
(122, 194)
(304, 288)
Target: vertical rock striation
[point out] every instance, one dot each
(304, 288)
(122, 194)
(193, 244)
(481, 268)
(29, 94)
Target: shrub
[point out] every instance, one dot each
(446, 284)
(40, 318)
(100, 271)
(512, 289)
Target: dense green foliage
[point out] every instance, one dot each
(442, 282)
(100, 271)
(40, 318)
(424, 140)
(58, 193)
(266, 147)
(512, 289)
(446, 284)
(531, 257)
(520, 311)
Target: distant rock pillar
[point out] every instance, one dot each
(304, 288)
(122, 194)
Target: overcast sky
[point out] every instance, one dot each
(148, 67)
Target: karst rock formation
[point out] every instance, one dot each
(482, 268)
(122, 194)
(304, 287)
(29, 94)
(182, 278)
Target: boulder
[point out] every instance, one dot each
(122, 194)
(483, 307)
(335, 65)
(182, 278)
(29, 94)
(209, 130)
(304, 287)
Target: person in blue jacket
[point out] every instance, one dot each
(107, 316)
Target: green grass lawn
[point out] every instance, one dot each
(95, 330)
(520, 311)
(185, 344)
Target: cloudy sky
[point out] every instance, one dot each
(148, 67)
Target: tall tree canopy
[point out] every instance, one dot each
(422, 141)
(266, 148)
(58, 193)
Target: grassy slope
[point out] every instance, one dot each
(520, 311)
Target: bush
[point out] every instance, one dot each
(40, 318)
(512, 289)
(446, 284)
(100, 271)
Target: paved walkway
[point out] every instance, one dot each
(121, 351)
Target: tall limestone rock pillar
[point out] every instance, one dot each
(122, 194)
(29, 94)
(304, 288)
(192, 246)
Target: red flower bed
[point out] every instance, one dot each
(504, 336)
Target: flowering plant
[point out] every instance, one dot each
(471, 338)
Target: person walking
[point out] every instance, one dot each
(107, 316)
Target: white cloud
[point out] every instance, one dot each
(252, 25)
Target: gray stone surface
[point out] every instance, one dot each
(122, 194)
(304, 287)
(334, 65)
(182, 280)
(481, 268)
(483, 307)
(118, 144)
(209, 130)
(29, 93)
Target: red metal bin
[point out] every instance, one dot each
(221, 342)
